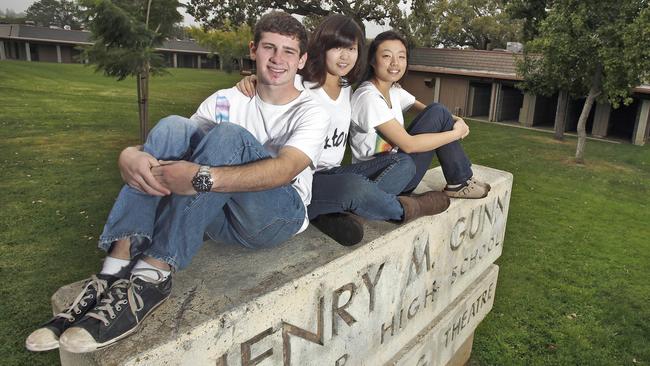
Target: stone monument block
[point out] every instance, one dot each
(442, 338)
(314, 302)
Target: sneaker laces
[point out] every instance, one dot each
(81, 300)
(122, 292)
(479, 183)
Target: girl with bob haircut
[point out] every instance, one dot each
(378, 123)
(366, 188)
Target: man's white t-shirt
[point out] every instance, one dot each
(301, 123)
(339, 111)
(369, 110)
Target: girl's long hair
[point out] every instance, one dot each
(333, 32)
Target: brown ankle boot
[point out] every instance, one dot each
(425, 204)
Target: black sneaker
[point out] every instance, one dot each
(119, 313)
(346, 228)
(47, 336)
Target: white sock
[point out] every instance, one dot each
(452, 186)
(113, 266)
(147, 272)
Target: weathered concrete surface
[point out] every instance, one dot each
(449, 332)
(314, 302)
(461, 357)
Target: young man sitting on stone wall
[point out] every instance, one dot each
(239, 170)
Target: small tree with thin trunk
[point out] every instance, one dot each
(597, 49)
(125, 35)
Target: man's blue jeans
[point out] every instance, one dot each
(455, 164)
(171, 228)
(369, 188)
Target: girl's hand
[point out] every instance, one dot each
(461, 128)
(247, 85)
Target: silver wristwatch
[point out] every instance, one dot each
(202, 181)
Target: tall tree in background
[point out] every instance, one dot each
(213, 13)
(10, 16)
(229, 44)
(126, 33)
(532, 12)
(55, 12)
(596, 49)
(479, 24)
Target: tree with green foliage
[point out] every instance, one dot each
(213, 13)
(479, 24)
(9, 16)
(55, 12)
(230, 43)
(596, 49)
(180, 31)
(532, 12)
(125, 34)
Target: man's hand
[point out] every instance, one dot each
(176, 175)
(461, 127)
(135, 169)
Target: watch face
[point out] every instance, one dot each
(202, 183)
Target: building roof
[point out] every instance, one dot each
(478, 63)
(32, 33)
(186, 46)
(493, 64)
(43, 34)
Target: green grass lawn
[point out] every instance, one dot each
(574, 284)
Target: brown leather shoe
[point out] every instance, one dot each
(425, 204)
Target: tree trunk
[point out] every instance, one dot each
(143, 91)
(560, 114)
(594, 91)
(143, 104)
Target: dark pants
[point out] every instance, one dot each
(454, 162)
(367, 188)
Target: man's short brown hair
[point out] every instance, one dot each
(281, 23)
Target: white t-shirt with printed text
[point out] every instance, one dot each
(339, 111)
(369, 110)
(301, 123)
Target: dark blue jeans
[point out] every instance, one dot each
(171, 228)
(368, 188)
(455, 164)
